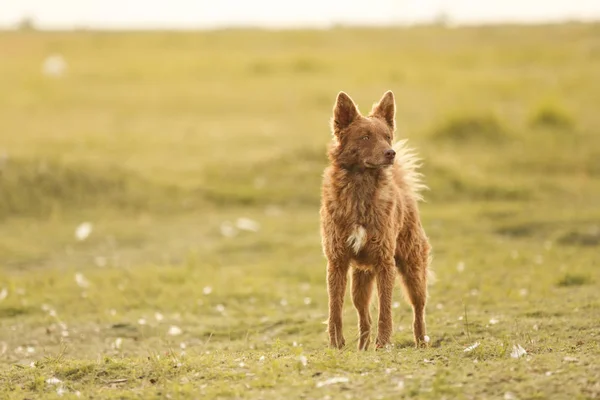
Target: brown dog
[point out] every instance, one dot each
(370, 220)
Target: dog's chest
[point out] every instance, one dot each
(368, 222)
(357, 238)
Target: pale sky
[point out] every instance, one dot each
(184, 14)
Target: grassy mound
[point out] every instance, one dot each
(551, 116)
(38, 188)
(474, 128)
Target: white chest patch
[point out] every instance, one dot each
(357, 238)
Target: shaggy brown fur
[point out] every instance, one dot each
(370, 221)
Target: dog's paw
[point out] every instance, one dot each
(422, 343)
(364, 345)
(384, 347)
(338, 343)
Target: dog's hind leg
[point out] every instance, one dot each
(362, 289)
(415, 286)
(337, 277)
(413, 271)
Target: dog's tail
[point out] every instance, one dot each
(409, 163)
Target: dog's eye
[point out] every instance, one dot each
(389, 137)
(366, 137)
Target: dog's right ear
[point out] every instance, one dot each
(344, 112)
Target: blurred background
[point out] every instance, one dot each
(160, 170)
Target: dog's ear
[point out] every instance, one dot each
(386, 109)
(344, 112)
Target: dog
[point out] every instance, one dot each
(370, 221)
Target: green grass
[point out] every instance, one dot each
(162, 141)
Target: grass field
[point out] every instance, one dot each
(196, 159)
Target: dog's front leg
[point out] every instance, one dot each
(386, 277)
(362, 287)
(337, 276)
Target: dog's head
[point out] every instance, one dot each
(361, 142)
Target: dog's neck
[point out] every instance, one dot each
(367, 178)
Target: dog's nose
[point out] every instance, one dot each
(390, 154)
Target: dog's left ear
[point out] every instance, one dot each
(386, 109)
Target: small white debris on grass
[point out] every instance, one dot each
(228, 230)
(247, 224)
(65, 333)
(494, 321)
(61, 390)
(118, 343)
(460, 267)
(182, 345)
(78, 393)
(518, 351)
(100, 261)
(158, 316)
(112, 312)
(32, 364)
(396, 304)
(283, 302)
(273, 211)
(523, 292)
(207, 290)
(83, 231)
(54, 66)
(307, 301)
(548, 373)
(53, 381)
(242, 365)
(261, 359)
(333, 381)
(539, 259)
(303, 360)
(474, 292)
(81, 280)
(30, 349)
(174, 331)
(142, 321)
(305, 286)
(472, 347)
(220, 308)
(400, 385)
(439, 306)
(509, 396)
(569, 359)
(260, 182)
(535, 327)
(426, 338)
(3, 293)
